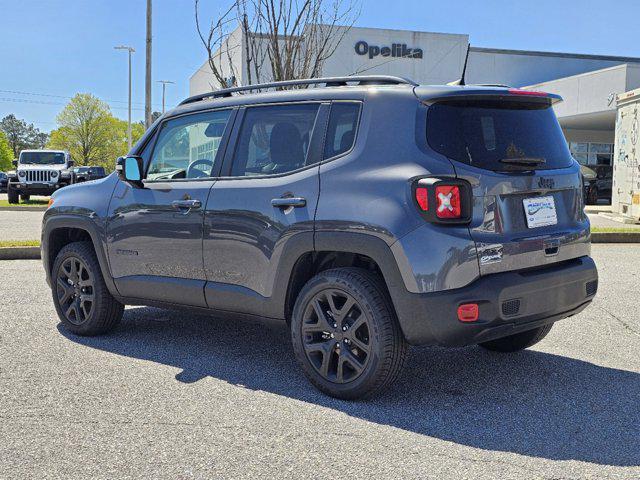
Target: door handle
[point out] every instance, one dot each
(188, 204)
(286, 202)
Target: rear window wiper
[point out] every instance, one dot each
(524, 161)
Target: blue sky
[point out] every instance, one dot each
(53, 49)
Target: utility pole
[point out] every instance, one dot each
(147, 83)
(164, 86)
(130, 50)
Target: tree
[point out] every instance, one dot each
(22, 136)
(6, 154)
(88, 130)
(282, 40)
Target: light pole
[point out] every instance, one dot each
(164, 86)
(130, 50)
(147, 78)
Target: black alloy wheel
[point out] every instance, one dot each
(336, 336)
(345, 334)
(82, 300)
(75, 290)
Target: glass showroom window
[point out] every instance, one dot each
(592, 153)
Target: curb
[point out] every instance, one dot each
(615, 237)
(23, 209)
(20, 253)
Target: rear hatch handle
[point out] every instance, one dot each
(551, 247)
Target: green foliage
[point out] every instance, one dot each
(22, 136)
(93, 136)
(6, 154)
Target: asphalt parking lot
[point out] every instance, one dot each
(173, 395)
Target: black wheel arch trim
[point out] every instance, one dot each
(58, 221)
(380, 252)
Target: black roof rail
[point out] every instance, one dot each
(327, 81)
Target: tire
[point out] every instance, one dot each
(592, 197)
(78, 314)
(25, 198)
(364, 349)
(13, 196)
(519, 341)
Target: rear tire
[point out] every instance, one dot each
(345, 334)
(519, 341)
(82, 300)
(13, 196)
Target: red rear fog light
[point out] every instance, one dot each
(468, 312)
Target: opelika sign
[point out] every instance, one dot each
(399, 50)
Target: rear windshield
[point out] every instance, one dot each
(496, 135)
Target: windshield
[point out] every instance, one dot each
(498, 135)
(42, 158)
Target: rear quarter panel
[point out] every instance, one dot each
(368, 191)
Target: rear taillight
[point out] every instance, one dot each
(422, 198)
(443, 200)
(448, 201)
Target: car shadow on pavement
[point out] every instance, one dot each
(530, 403)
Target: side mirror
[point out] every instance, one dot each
(14, 162)
(130, 169)
(71, 163)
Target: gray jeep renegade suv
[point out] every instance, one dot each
(368, 213)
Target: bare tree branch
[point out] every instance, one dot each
(281, 39)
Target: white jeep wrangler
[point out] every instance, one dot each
(39, 172)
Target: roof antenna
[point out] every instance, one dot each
(461, 81)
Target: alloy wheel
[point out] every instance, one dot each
(75, 290)
(336, 336)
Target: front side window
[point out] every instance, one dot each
(341, 132)
(187, 146)
(274, 139)
(493, 134)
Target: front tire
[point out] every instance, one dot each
(82, 300)
(25, 198)
(13, 196)
(519, 341)
(345, 334)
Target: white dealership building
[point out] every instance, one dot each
(588, 83)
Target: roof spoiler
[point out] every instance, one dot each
(429, 94)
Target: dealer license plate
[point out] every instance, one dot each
(540, 211)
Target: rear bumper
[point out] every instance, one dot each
(509, 303)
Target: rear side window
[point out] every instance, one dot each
(491, 134)
(341, 132)
(274, 139)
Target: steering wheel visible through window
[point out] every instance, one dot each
(200, 168)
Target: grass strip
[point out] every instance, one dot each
(19, 243)
(27, 204)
